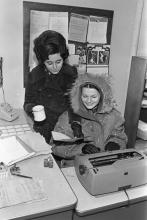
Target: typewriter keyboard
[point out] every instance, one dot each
(10, 130)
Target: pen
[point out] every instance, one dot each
(20, 175)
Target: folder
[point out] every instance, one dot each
(13, 149)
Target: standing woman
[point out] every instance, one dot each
(48, 83)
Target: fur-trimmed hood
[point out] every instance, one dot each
(102, 82)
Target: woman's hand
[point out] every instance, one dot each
(90, 149)
(110, 146)
(77, 130)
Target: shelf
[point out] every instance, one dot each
(96, 65)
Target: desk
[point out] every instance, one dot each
(112, 206)
(60, 201)
(63, 198)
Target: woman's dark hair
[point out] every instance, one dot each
(48, 43)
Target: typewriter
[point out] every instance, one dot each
(107, 172)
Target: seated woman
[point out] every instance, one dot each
(102, 124)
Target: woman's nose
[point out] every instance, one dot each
(89, 99)
(54, 66)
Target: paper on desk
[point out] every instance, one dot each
(20, 190)
(12, 151)
(36, 142)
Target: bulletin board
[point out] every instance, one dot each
(77, 14)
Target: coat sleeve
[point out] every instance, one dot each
(31, 90)
(65, 151)
(115, 132)
(70, 75)
(30, 99)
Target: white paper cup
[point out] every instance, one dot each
(39, 113)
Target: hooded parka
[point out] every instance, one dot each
(101, 125)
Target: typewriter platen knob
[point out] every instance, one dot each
(82, 169)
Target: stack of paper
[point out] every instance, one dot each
(13, 149)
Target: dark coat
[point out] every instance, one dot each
(51, 91)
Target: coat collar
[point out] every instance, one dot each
(40, 72)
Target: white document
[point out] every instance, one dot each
(36, 142)
(142, 125)
(71, 48)
(78, 27)
(58, 21)
(12, 151)
(20, 190)
(41, 21)
(57, 136)
(142, 130)
(144, 103)
(97, 30)
(38, 24)
(60, 137)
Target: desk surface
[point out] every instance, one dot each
(99, 203)
(93, 203)
(60, 196)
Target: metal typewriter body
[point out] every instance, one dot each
(107, 172)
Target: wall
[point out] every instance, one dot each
(142, 43)
(123, 45)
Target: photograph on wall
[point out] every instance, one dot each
(104, 55)
(80, 49)
(92, 57)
